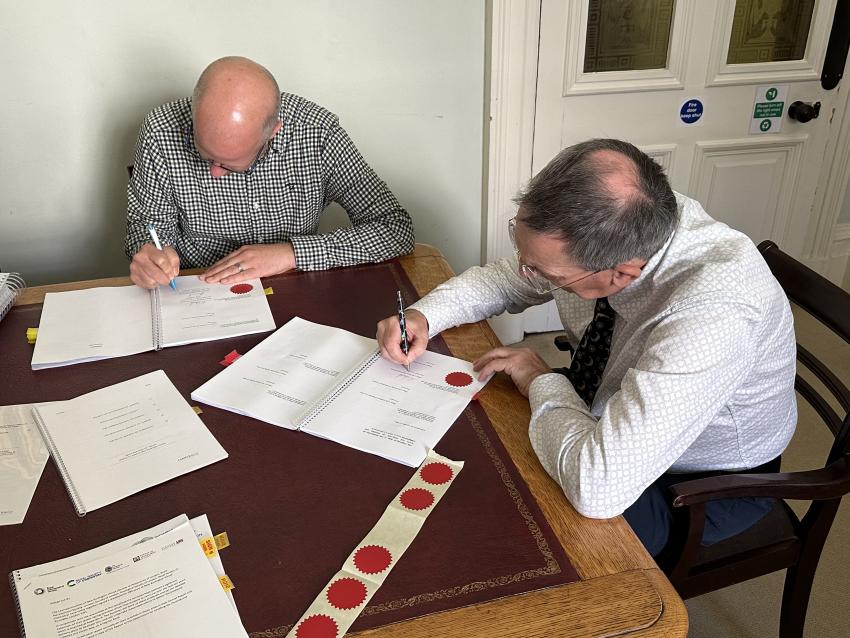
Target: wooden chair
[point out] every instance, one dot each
(780, 540)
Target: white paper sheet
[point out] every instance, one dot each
(198, 311)
(164, 587)
(22, 460)
(287, 371)
(93, 324)
(397, 414)
(125, 438)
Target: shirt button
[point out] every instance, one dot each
(256, 205)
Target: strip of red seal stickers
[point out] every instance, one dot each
(345, 596)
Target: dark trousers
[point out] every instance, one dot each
(651, 516)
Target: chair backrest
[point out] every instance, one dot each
(830, 305)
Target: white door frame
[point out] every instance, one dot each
(513, 85)
(514, 48)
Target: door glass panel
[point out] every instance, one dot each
(769, 30)
(626, 35)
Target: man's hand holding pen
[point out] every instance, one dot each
(389, 337)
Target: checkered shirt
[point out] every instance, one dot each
(700, 376)
(311, 163)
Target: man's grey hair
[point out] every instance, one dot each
(604, 224)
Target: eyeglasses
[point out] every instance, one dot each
(539, 282)
(189, 145)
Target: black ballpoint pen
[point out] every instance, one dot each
(405, 346)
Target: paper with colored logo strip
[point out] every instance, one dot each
(345, 596)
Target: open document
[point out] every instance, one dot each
(102, 323)
(22, 460)
(334, 384)
(122, 439)
(155, 583)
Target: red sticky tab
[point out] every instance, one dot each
(229, 358)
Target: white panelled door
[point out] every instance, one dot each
(680, 79)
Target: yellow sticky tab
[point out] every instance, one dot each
(32, 335)
(268, 291)
(208, 545)
(226, 583)
(197, 409)
(221, 541)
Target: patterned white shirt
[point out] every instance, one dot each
(311, 163)
(700, 376)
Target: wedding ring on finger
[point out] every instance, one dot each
(239, 267)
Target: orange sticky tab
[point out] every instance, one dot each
(208, 545)
(226, 583)
(229, 358)
(197, 409)
(221, 541)
(268, 291)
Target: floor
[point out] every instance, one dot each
(751, 609)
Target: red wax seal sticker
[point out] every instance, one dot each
(416, 498)
(436, 473)
(241, 289)
(458, 379)
(372, 559)
(317, 626)
(346, 593)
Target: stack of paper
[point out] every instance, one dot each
(22, 460)
(158, 582)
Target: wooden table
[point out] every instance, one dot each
(621, 592)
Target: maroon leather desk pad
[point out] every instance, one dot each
(295, 505)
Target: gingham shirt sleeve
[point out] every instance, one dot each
(149, 197)
(381, 228)
(478, 293)
(691, 366)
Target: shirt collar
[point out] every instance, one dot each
(633, 298)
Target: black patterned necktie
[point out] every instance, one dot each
(591, 356)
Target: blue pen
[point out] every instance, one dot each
(156, 243)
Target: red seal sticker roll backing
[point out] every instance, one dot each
(364, 571)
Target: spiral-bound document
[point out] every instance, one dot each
(11, 283)
(334, 384)
(102, 323)
(155, 583)
(122, 439)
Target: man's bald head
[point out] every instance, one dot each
(234, 108)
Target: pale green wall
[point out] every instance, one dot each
(405, 77)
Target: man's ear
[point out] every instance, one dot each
(276, 129)
(627, 272)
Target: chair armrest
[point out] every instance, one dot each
(833, 481)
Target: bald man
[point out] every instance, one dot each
(235, 180)
(684, 353)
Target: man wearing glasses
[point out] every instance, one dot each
(236, 178)
(684, 357)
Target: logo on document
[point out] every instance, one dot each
(38, 591)
(136, 559)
